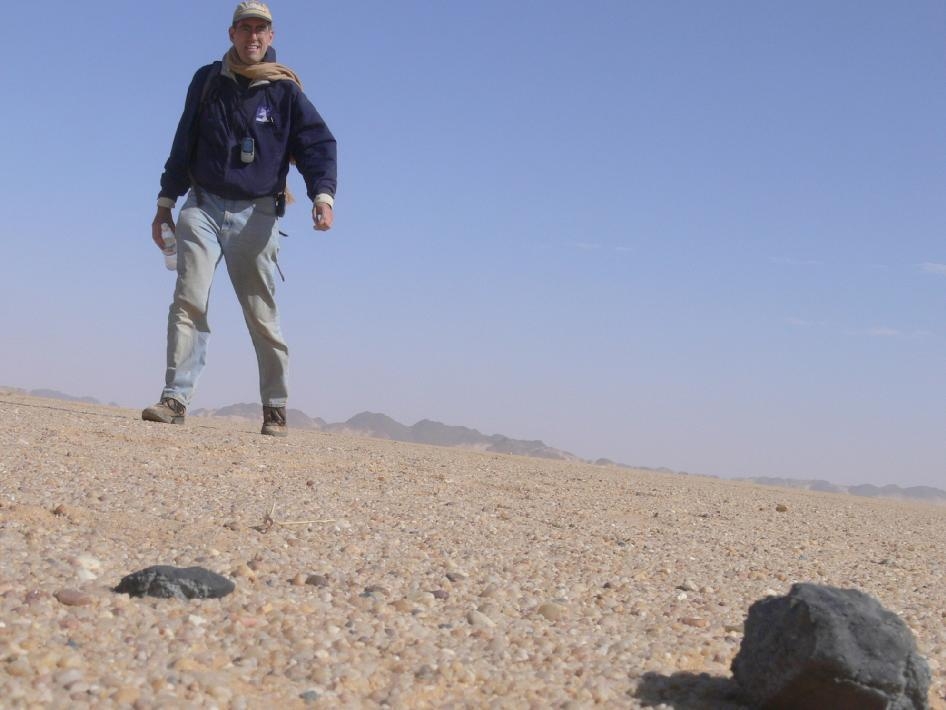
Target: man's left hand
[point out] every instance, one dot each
(322, 216)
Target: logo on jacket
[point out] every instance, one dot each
(264, 114)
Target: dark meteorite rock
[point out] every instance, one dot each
(822, 647)
(175, 583)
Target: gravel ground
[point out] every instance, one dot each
(405, 575)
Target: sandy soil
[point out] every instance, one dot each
(436, 577)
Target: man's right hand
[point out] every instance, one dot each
(163, 216)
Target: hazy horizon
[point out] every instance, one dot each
(707, 237)
(36, 391)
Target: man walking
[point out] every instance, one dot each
(244, 120)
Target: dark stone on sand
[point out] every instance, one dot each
(167, 582)
(823, 647)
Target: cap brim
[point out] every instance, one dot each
(252, 16)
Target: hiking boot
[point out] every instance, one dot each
(167, 411)
(274, 422)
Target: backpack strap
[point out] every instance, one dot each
(214, 72)
(215, 69)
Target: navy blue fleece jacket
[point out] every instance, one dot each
(277, 115)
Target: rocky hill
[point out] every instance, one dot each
(381, 426)
(296, 417)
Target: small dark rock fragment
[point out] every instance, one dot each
(823, 647)
(166, 582)
(317, 580)
(425, 674)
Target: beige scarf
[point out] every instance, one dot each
(268, 71)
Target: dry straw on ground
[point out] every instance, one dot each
(413, 576)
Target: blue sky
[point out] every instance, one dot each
(703, 235)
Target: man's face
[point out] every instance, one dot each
(251, 38)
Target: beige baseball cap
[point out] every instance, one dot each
(257, 10)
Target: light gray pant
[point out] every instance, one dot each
(244, 233)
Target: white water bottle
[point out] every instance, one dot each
(170, 247)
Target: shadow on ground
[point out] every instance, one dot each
(690, 691)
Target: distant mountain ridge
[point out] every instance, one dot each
(56, 394)
(925, 493)
(381, 426)
(296, 417)
(435, 433)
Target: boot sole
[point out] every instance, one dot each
(151, 416)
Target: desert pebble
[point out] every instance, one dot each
(73, 597)
(552, 611)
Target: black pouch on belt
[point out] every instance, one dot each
(281, 204)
